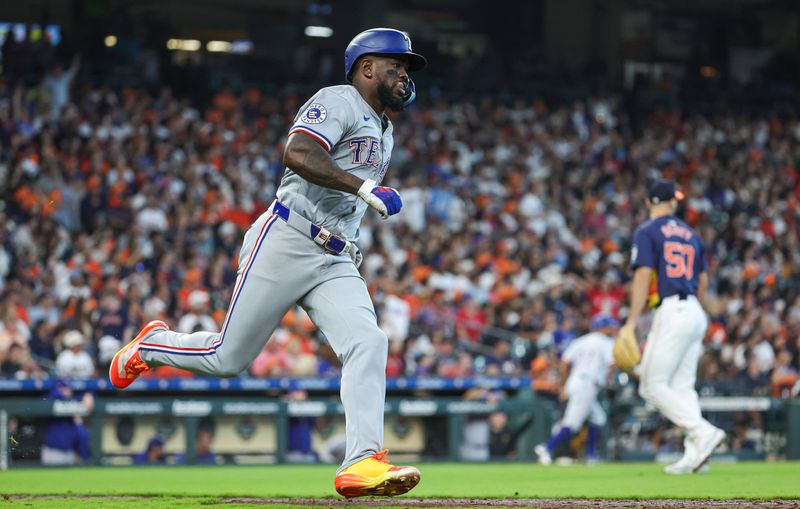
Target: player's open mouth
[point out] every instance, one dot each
(401, 87)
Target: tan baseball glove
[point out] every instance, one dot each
(626, 349)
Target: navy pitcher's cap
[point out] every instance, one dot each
(662, 190)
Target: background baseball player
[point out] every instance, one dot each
(587, 361)
(301, 251)
(668, 252)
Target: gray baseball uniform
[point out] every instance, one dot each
(281, 263)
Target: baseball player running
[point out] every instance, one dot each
(668, 252)
(301, 250)
(587, 361)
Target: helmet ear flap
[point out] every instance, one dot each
(410, 95)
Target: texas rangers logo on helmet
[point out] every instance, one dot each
(314, 114)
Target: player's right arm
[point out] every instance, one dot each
(563, 374)
(564, 368)
(306, 157)
(644, 262)
(639, 289)
(318, 128)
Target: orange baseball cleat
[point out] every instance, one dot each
(127, 365)
(375, 476)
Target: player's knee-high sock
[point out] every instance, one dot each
(563, 434)
(592, 438)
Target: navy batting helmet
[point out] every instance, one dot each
(381, 41)
(603, 321)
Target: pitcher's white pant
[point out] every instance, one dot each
(669, 363)
(278, 268)
(582, 403)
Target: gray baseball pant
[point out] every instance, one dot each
(278, 268)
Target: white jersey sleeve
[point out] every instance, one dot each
(327, 117)
(571, 353)
(590, 357)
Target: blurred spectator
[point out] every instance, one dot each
(57, 85)
(740, 441)
(107, 348)
(395, 318)
(499, 362)
(564, 334)
(476, 439)
(290, 351)
(608, 297)
(13, 360)
(298, 448)
(66, 439)
(198, 319)
(74, 362)
(122, 198)
(203, 453)
(470, 320)
(752, 381)
(44, 311)
(502, 437)
(13, 329)
(545, 373)
(395, 363)
(785, 375)
(153, 455)
(41, 343)
(112, 319)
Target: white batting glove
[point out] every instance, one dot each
(356, 256)
(385, 200)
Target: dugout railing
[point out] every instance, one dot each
(416, 410)
(454, 413)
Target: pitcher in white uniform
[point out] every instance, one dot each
(587, 361)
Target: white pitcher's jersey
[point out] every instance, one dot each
(347, 127)
(590, 356)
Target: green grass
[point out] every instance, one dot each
(140, 503)
(208, 484)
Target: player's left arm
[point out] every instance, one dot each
(702, 286)
(701, 268)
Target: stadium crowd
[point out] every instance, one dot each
(121, 207)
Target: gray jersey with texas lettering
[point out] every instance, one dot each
(347, 127)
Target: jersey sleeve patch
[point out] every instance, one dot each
(314, 114)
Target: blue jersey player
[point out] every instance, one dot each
(669, 263)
